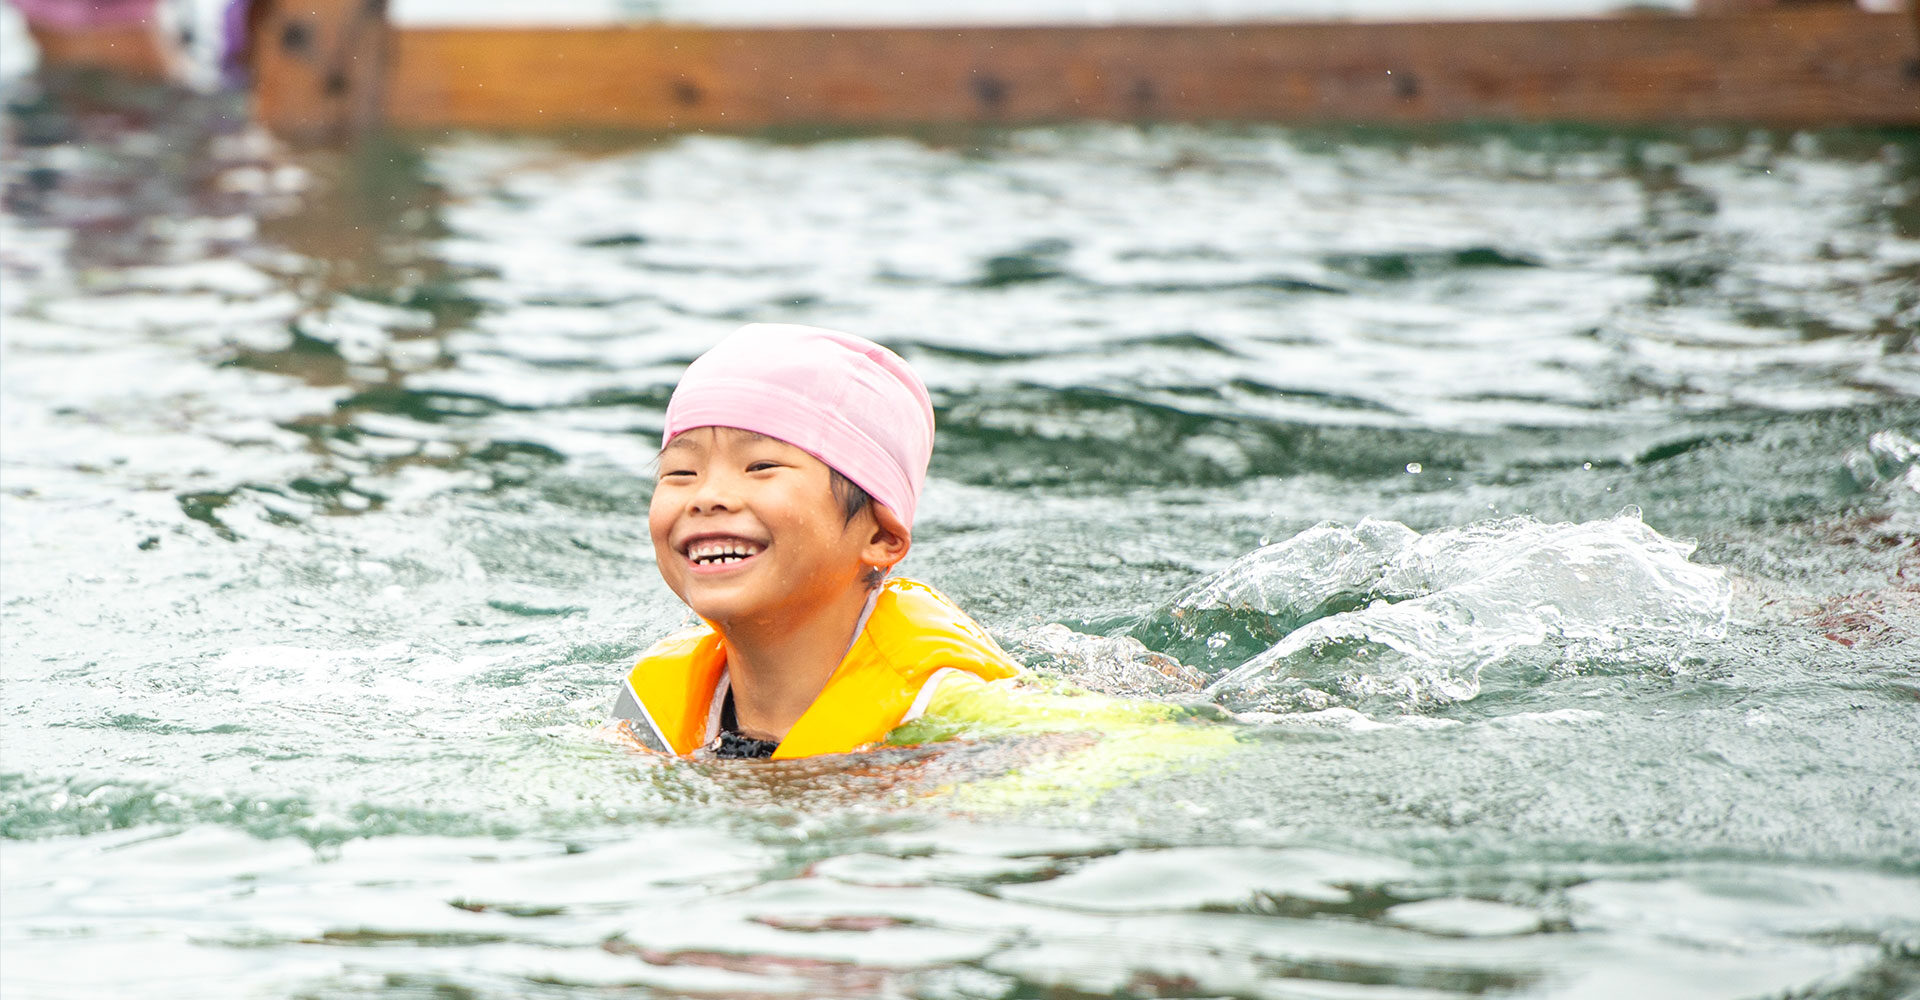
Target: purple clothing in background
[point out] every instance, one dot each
(234, 57)
(72, 14)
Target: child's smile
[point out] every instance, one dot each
(746, 528)
(714, 551)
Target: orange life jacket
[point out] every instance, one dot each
(913, 633)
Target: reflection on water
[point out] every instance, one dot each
(321, 509)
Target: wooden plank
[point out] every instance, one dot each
(1817, 65)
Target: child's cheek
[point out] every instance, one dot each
(659, 516)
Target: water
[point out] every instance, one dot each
(1542, 502)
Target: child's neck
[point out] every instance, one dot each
(777, 668)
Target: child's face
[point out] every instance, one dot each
(746, 528)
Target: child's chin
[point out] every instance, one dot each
(718, 608)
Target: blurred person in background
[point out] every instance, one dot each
(125, 37)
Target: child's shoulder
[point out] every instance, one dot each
(916, 627)
(689, 643)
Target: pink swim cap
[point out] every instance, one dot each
(843, 399)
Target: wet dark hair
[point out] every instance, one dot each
(853, 500)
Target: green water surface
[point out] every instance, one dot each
(1560, 485)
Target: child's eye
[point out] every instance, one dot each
(762, 466)
(666, 474)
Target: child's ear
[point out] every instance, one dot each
(890, 539)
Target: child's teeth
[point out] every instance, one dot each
(722, 552)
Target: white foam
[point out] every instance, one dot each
(1450, 603)
(1291, 577)
(1345, 718)
(1115, 665)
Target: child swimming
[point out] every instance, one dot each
(791, 464)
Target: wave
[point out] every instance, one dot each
(1378, 615)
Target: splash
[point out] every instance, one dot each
(1120, 666)
(1890, 464)
(1438, 609)
(1266, 595)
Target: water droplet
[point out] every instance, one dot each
(1413, 468)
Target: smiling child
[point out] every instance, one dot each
(790, 467)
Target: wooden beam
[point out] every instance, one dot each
(1790, 66)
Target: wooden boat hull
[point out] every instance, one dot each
(1790, 66)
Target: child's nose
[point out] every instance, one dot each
(717, 492)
